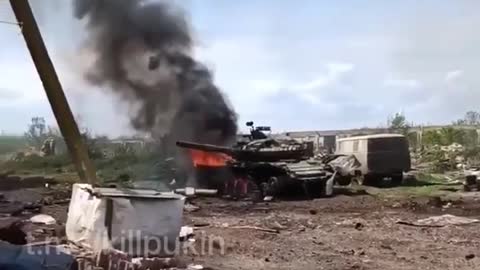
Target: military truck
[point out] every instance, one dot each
(382, 156)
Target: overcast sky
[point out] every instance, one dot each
(294, 65)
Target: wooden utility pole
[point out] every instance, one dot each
(54, 91)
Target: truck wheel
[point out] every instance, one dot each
(368, 180)
(397, 179)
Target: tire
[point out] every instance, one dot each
(369, 180)
(397, 179)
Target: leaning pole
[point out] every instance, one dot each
(53, 89)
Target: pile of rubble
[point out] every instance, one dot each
(440, 158)
(106, 228)
(455, 160)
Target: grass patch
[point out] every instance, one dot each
(133, 167)
(11, 144)
(428, 179)
(422, 185)
(37, 164)
(123, 167)
(409, 192)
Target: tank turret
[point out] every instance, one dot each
(267, 150)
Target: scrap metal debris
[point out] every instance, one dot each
(440, 221)
(189, 191)
(13, 233)
(185, 233)
(98, 218)
(188, 207)
(255, 228)
(43, 219)
(13, 208)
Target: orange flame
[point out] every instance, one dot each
(211, 159)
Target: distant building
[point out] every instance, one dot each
(324, 140)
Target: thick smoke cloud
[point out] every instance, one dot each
(143, 52)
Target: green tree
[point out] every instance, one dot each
(471, 137)
(431, 137)
(472, 118)
(459, 122)
(451, 135)
(398, 123)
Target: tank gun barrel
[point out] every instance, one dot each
(205, 147)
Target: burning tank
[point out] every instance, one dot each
(274, 167)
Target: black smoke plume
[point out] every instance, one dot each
(143, 51)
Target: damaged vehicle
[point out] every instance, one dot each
(274, 167)
(381, 156)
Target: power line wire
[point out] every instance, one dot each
(11, 23)
(7, 5)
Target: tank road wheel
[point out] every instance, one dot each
(270, 188)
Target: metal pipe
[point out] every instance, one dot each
(54, 91)
(196, 191)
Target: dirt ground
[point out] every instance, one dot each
(352, 231)
(344, 232)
